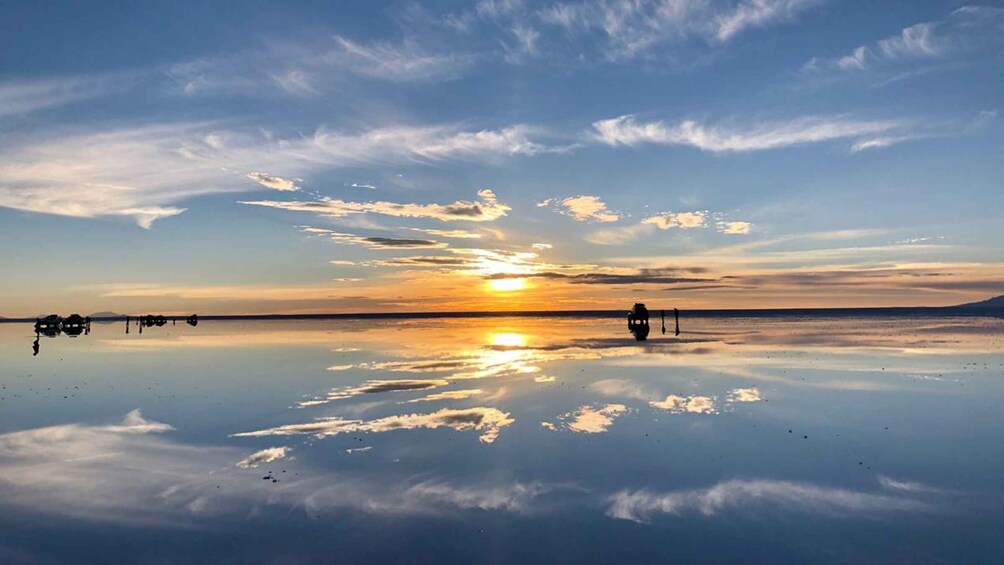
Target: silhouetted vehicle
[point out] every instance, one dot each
(49, 326)
(158, 320)
(637, 320)
(193, 320)
(75, 325)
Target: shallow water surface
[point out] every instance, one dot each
(505, 440)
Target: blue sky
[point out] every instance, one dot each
(401, 156)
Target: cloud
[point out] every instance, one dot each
(583, 208)
(119, 475)
(377, 387)
(363, 185)
(405, 63)
(625, 130)
(542, 246)
(744, 395)
(273, 182)
(688, 404)
(144, 170)
(634, 29)
(303, 69)
(376, 242)
(135, 423)
(264, 456)
(593, 420)
(486, 209)
(758, 13)
(682, 220)
(969, 29)
(635, 276)
(20, 97)
(449, 395)
(456, 234)
(734, 228)
(489, 421)
(754, 496)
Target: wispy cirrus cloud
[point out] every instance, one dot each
(144, 171)
(274, 182)
(489, 421)
(376, 242)
(967, 29)
(20, 97)
(755, 496)
(632, 29)
(487, 208)
(306, 69)
(135, 474)
(626, 130)
(456, 234)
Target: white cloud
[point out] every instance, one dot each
(126, 474)
(407, 62)
(689, 404)
(625, 130)
(583, 208)
(455, 234)
(542, 246)
(486, 209)
(744, 395)
(593, 420)
(682, 220)
(489, 421)
(267, 455)
(273, 182)
(448, 395)
(967, 29)
(758, 13)
(635, 28)
(734, 228)
(142, 172)
(21, 97)
(755, 495)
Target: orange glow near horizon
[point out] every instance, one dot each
(506, 285)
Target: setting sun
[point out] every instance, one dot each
(506, 285)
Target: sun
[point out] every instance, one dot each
(506, 285)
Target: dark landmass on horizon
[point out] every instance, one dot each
(993, 306)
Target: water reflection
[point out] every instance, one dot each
(509, 428)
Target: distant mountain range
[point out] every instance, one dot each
(995, 302)
(107, 315)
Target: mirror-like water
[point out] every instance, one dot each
(504, 440)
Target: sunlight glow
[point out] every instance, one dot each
(506, 285)
(507, 340)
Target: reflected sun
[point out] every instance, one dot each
(506, 285)
(507, 340)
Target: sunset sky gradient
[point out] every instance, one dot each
(500, 155)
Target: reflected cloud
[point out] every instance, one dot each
(755, 496)
(593, 420)
(130, 474)
(449, 395)
(688, 404)
(489, 421)
(375, 387)
(744, 395)
(264, 456)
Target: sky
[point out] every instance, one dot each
(264, 157)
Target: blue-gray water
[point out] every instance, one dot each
(781, 439)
